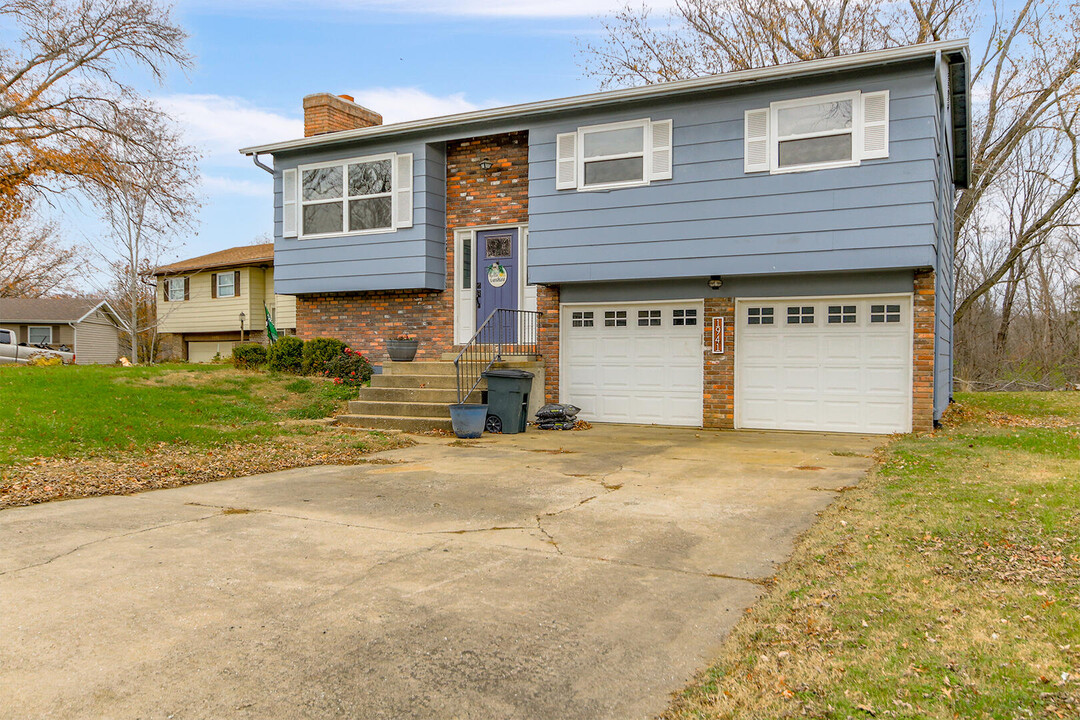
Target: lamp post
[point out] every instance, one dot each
(242, 316)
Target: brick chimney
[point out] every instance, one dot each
(326, 113)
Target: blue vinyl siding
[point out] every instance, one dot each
(713, 218)
(405, 259)
(945, 280)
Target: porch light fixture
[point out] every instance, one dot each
(716, 282)
(485, 163)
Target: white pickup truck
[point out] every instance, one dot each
(12, 352)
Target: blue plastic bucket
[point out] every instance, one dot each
(468, 419)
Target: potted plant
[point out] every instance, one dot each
(402, 348)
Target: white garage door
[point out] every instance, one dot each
(639, 363)
(834, 364)
(204, 351)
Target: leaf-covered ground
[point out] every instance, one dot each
(946, 585)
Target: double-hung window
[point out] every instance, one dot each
(614, 155)
(176, 289)
(226, 285)
(816, 133)
(370, 194)
(38, 335)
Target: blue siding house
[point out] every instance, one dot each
(766, 249)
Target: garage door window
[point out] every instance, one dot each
(759, 316)
(582, 319)
(800, 315)
(648, 318)
(684, 317)
(884, 313)
(615, 318)
(842, 314)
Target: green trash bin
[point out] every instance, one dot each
(508, 400)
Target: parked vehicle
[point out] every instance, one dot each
(13, 352)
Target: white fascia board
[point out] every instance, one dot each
(611, 97)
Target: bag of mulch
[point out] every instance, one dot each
(555, 425)
(557, 411)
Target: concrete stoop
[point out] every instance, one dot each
(413, 396)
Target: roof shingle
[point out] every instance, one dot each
(45, 310)
(230, 257)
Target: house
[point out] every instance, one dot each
(768, 249)
(88, 326)
(202, 302)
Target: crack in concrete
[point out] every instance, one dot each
(477, 530)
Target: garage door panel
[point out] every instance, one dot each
(641, 374)
(844, 377)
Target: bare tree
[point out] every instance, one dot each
(33, 260)
(146, 209)
(64, 111)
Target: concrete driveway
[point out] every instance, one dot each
(545, 575)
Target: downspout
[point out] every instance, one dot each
(259, 163)
(74, 344)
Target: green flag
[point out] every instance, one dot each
(271, 331)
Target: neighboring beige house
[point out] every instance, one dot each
(200, 301)
(89, 327)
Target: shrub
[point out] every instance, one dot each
(286, 354)
(248, 355)
(318, 352)
(349, 368)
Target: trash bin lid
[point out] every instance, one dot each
(509, 373)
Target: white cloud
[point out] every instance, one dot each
(409, 103)
(216, 185)
(219, 125)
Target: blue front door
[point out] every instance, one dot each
(496, 272)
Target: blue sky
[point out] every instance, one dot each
(256, 59)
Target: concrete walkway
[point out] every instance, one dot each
(546, 575)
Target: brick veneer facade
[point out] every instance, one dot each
(718, 409)
(922, 392)
(547, 302)
(475, 197)
(326, 113)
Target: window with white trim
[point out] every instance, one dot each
(36, 335)
(582, 319)
(759, 316)
(370, 194)
(648, 318)
(800, 315)
(226, 285)
(814, 133)
(684, 317)
(615, 318)
(176, 289)
(884, 313)
(842, 314)
(614, 155)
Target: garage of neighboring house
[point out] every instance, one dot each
(634, 362)
(201, 351)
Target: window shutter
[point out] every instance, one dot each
(756, 151)
(165, 294)
(236, 283)
(187, 288)
(875, 125)
(566, 161)
(213, 285)
(288, 203)
(660, 168)
(403, 187)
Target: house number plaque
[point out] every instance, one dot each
(718, 336)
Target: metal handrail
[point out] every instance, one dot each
(504, 332)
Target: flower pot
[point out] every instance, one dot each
(468, 419)
(402, 350)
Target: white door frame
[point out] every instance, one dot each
(698, 303)
(464, 300)
(910, 296)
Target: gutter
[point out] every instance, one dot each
(612, 97)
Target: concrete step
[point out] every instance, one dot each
(419, 368)
(513, 360)
(399, 409)
(408, 424)
(435, 382)
(404, 394)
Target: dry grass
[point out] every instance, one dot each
(947, 585)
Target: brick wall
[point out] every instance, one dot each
(171, 347)
(366, 320)
(547, 302)
(922, 401)
(326, 113)
(719, 393)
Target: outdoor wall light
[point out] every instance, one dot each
(485, 164)
(716, 282)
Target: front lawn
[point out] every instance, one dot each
(946, 585)
(89, 430)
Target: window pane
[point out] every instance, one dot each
(176, 289)
(369, 213)
(615, 142)
(818, 117)
(37, 335)
(322, 184)
(466, 263)
(369, 178)
(324, 218)
(601, 172)
(225, 285)
(810, 151)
